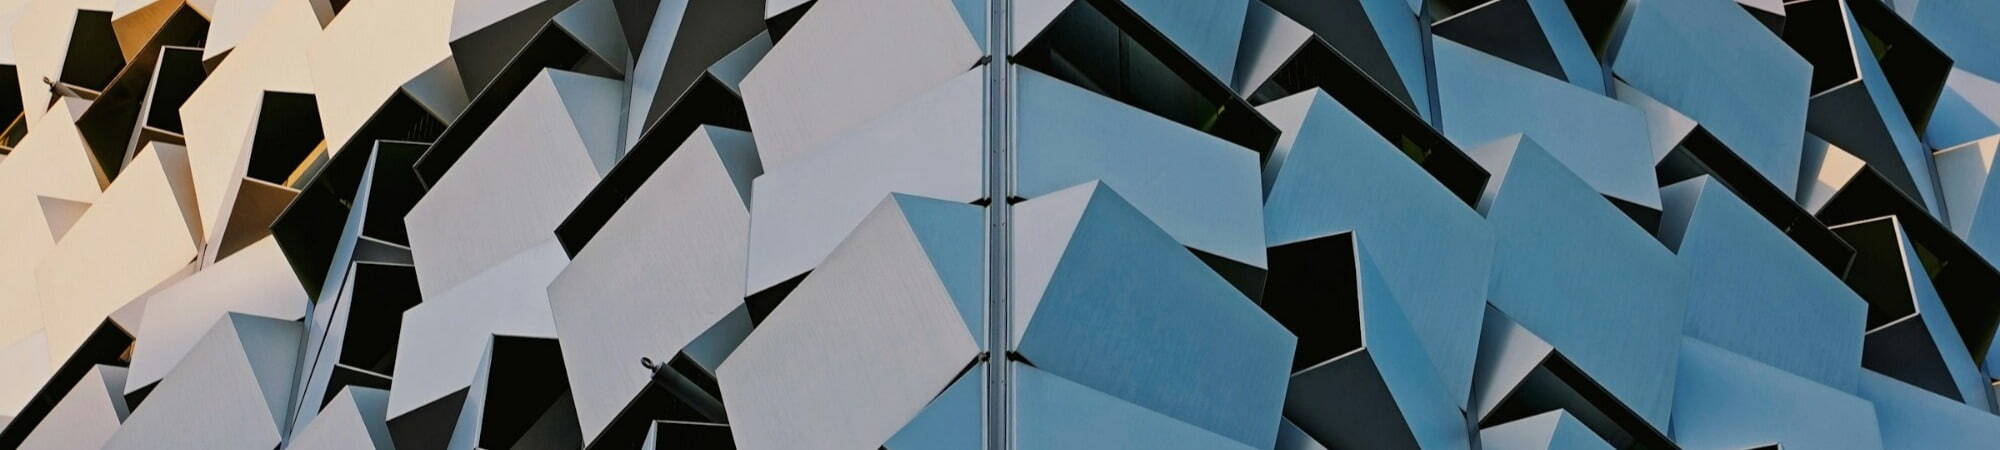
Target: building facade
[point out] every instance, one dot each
(1005, 224)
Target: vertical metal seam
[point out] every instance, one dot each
(999, 187)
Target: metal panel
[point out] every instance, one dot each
(352, 421)
(257, 281)
(846, 63)
(1570, 267)
(1727, 400)
(237, 376)
(474, 218)
(1551, 430)
(1104, 294)
(928, 146)
(88, 416)
(1753, 292)
(1200, 189)
(1322, 178)
(876, 324)
(1913, 418)
(618, 302)
(1713, 62)
(1602, 141)
(1059, 413)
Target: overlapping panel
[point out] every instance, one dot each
(1550, 430)
(1317, 182)
(960, 224)
(928, 146)
(1061, 414)
(353, 420)
(1106, 294)
(1602, 141)
(615, 303)
(1715, 63)
(1752, 291)
(1360, 377)
(86, 417)
(440, 346)
(847, 63)
(1570, 267)
(562, 133)
(1381, 38)
(368, 52)
(1965, 173)
(255, 282)
(220, 117)
(143, 227)
(50, 184)
(1855, 99)
(1911, 336)
(237, 376)
(1201, 190)
(880, 322)
(1910, 418)
(1727, 400)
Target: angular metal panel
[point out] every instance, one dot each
(519, 179)
(1059, 413)
(846, 63)
(1437, 251)
(1727, 400)
(1720, 67)
(1548, 431)
(928, 146)
(1753, 292)
(255, 282)
(1104, 294)
(1602, 141)
(618, 302)
(1200, 189)
(352, 421)
(875, 323)
(1570, 267)
(237, 377)
(88, 416)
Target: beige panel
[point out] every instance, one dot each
(470, 17)
(258, 281)
(24, 365)
(368, 52)
(40, 38)
(220, 115)
(230, 22)
(49, 164)
(10, 12)
(136, 235)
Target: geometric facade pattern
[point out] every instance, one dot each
(952, 224)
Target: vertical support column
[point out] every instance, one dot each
(999, 230)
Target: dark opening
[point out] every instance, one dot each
(287, 132)
(1312, 291)
(1105, 47)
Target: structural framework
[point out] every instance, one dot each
(1001, 224)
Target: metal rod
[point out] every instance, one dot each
(999, 188)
